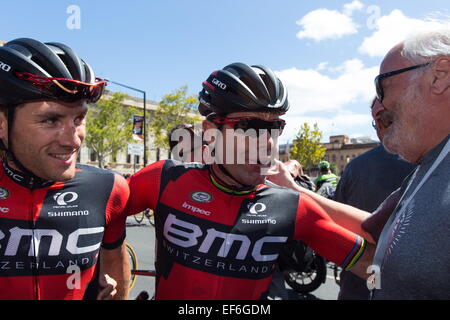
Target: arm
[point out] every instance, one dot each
(344, 215)
(144, 188)
(333, 242)
(115, 264)
(114, 260)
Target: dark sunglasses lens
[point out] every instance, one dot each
(379, 88)
(259, 124)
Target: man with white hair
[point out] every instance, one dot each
(411, 226)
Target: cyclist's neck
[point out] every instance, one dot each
(25, 179)
(224, 181)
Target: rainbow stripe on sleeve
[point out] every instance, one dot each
(357, 251)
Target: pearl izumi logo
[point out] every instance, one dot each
(63, 199)
(256, 208)
(257, 214)
(201, 196)
(4, 193)
(66, 201)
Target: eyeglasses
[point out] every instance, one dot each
(67, 90)
(252, 123)
(379, 87)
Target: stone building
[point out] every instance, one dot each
(340, 150)
(124, 162)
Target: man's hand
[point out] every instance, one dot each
(280, 175)
(107, 287)
(115, 266)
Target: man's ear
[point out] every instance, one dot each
(441, 75)
(3, 127)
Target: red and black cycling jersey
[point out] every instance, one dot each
(215, 244)
(51, 233)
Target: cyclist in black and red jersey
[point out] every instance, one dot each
(61, 224)
(220, 226)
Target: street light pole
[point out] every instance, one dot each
(145, 130)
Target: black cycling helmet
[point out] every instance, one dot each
(32, 71)
(239, 87)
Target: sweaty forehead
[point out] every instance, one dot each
(61, 108)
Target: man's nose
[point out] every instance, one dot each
(377, 108)
(71, 136)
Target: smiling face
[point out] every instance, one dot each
(46, 137)
(402, 116)
(247, 157)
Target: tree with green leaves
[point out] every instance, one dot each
(174, 109)
(306, 147)
(109, 126)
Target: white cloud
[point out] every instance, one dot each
(314, 91)
(315, 96)
(348, 123)
(352, 6)
(391, 29)
(324, 24)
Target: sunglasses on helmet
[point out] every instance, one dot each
(252, 123)
(380, 77)
(67, 90)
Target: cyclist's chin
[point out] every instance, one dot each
(254, 174)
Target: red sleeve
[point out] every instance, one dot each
(144, 188)
(323, 235)
(115, 214)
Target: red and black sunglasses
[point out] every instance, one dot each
(257, 124)
(67, 90)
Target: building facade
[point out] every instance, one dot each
(340, 150)
(125, 163)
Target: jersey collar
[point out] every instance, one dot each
(28, 181)
(221, 185)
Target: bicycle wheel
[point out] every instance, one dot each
(133, 263)
(139, 217)
(309, 279)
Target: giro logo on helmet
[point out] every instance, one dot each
(5, 67)
(220, 84)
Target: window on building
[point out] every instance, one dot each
(128, 158)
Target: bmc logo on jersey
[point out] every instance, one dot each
(63, 199)
(188, 235)
(17, 237)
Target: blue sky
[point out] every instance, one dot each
(327, 52)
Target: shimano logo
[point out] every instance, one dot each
(63, 199)
(68, 213)
(188, 235)
(195, 209)
(5, 67)
(220, 84)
